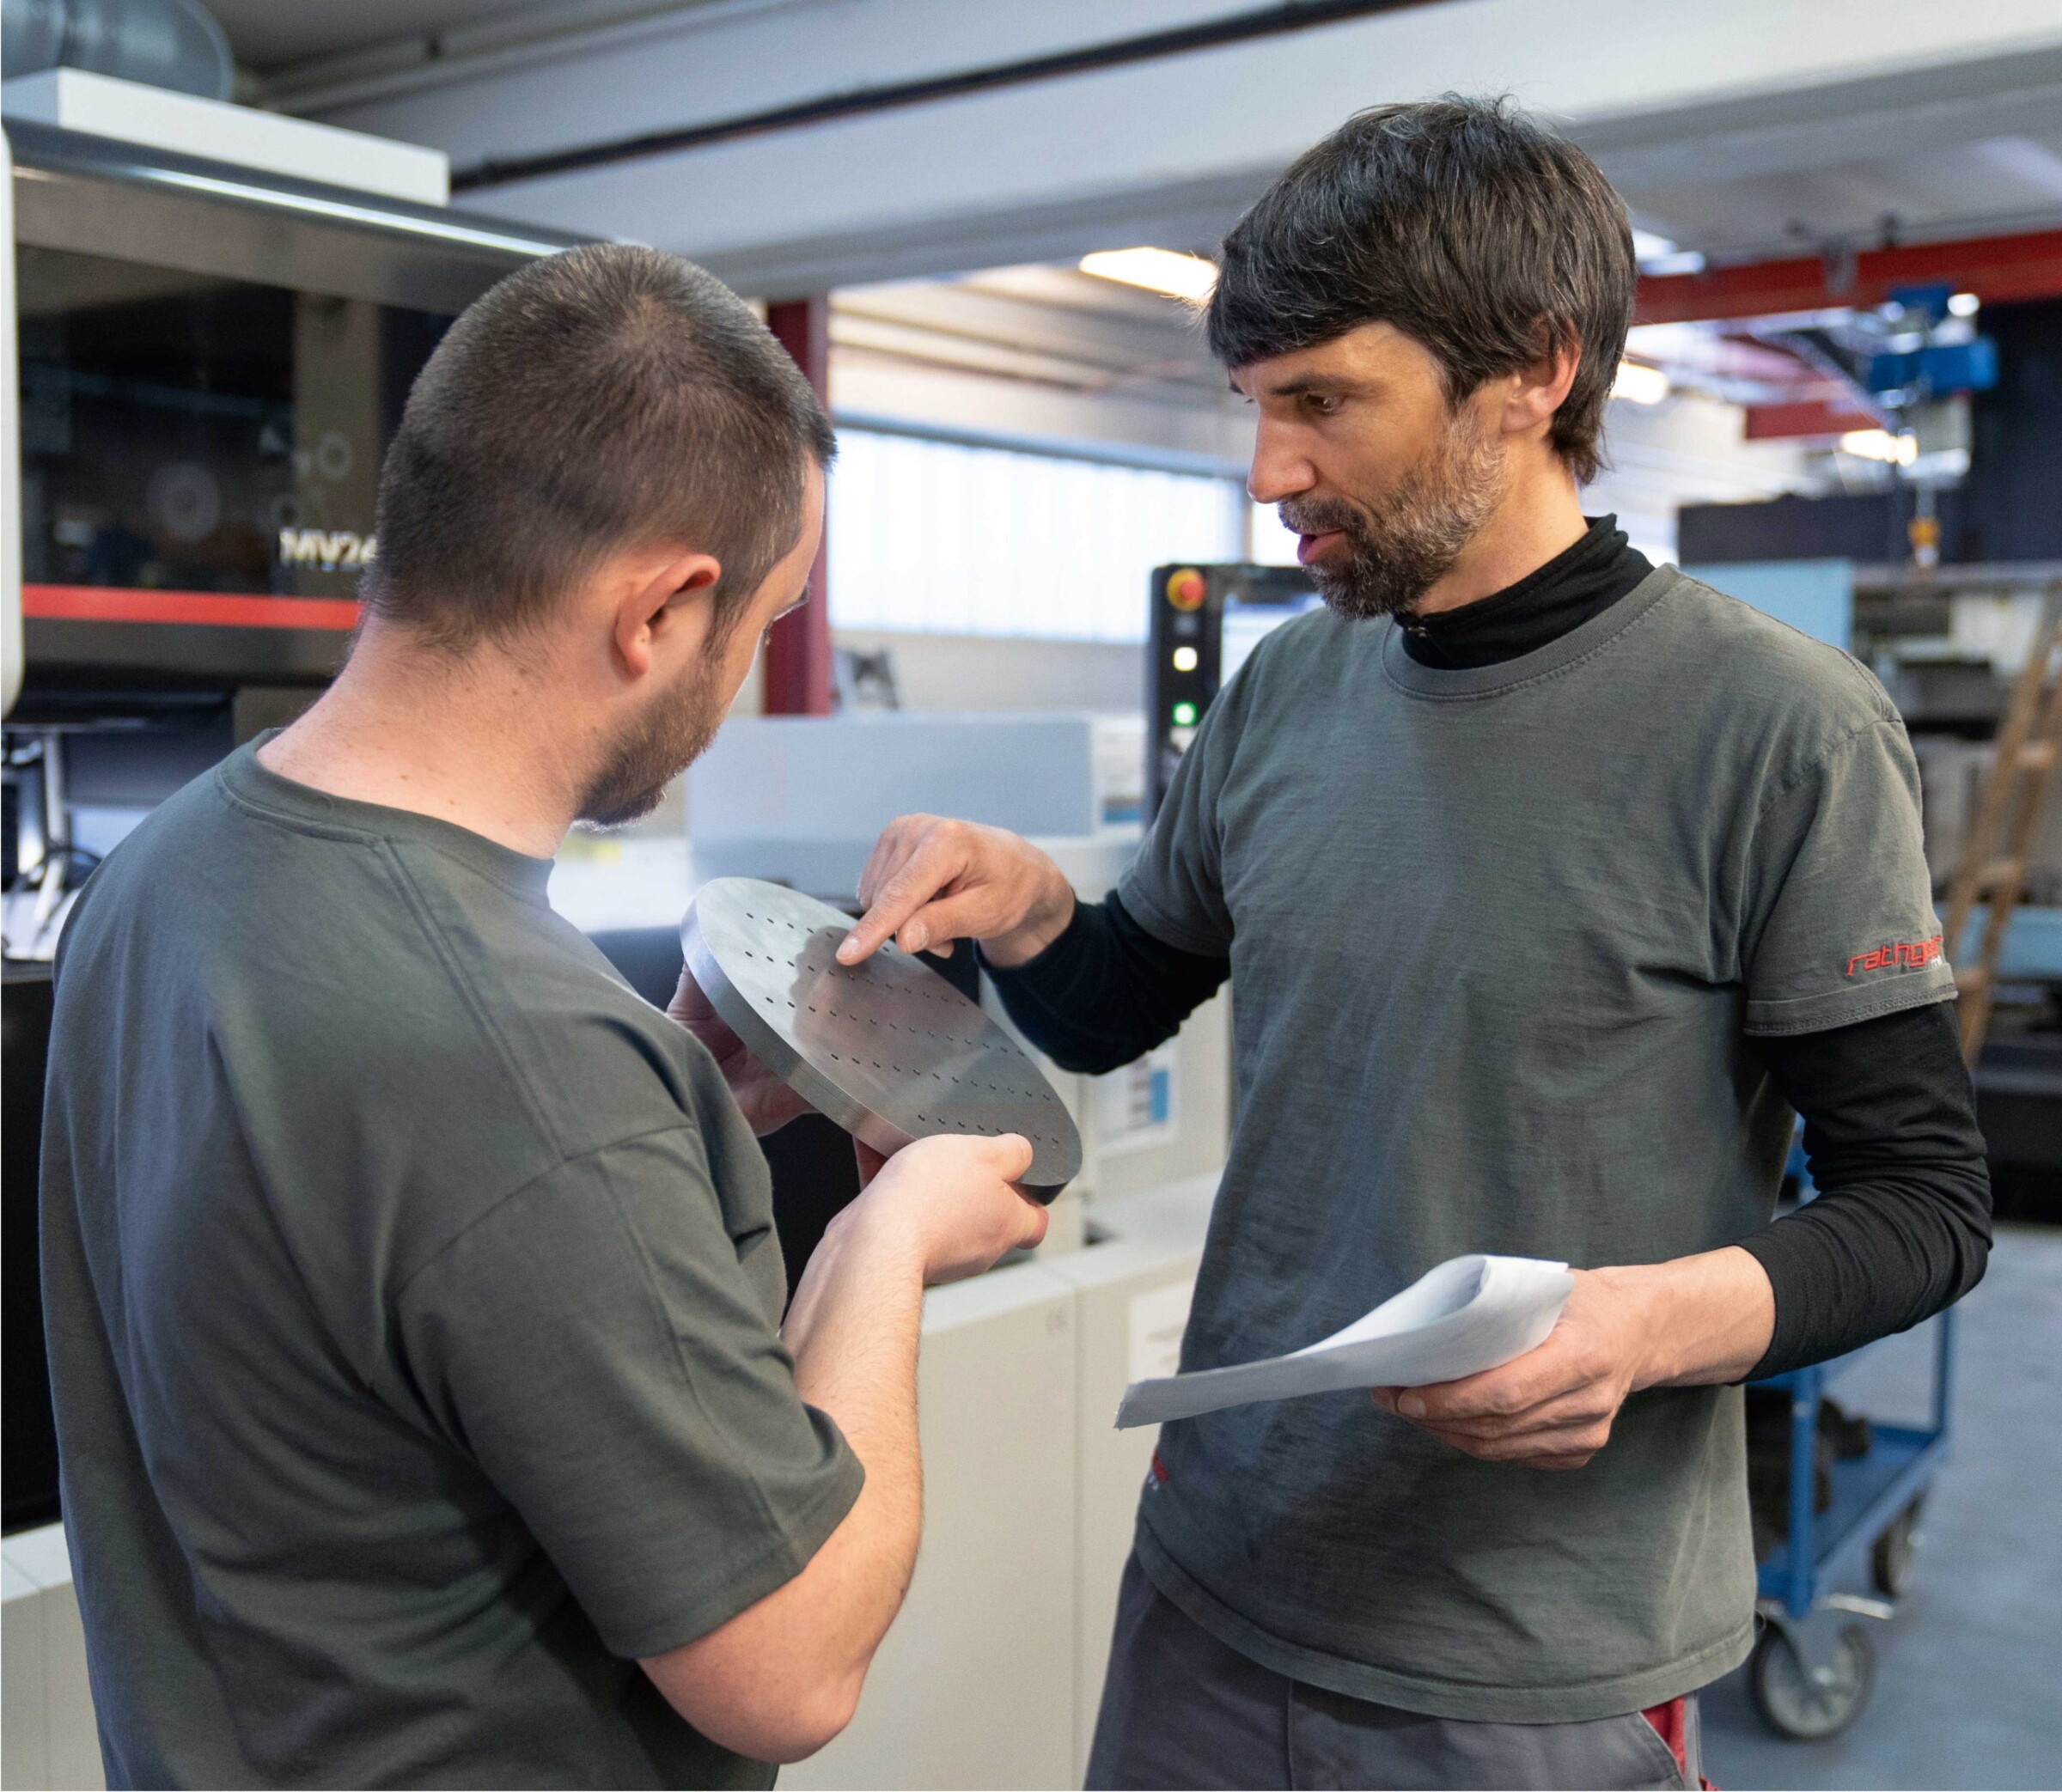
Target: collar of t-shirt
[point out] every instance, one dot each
(1581, 581)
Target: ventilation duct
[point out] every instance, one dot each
(173, 44)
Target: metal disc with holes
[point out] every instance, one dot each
(887, 1048)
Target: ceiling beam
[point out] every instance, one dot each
(1998, 269)
(1166, 148)
(1816, 418)
(1240, 28)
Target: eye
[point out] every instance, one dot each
(1321, 404)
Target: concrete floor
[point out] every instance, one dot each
(1968, 1687)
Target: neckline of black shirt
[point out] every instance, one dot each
(1582, 581)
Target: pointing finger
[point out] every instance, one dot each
(927, 871)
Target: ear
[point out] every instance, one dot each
(661, 595)
(1538, 390)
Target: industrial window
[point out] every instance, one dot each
(946, 537)
(1272, 544)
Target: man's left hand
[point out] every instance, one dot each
(1696, 1320)
(766, 1102)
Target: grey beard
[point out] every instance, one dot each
(1402, 543)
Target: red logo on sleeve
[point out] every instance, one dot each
(1898, 956)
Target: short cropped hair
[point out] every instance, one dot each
(1466, 225)
(593, 402)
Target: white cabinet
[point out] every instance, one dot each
(991, 1674)
(974, 1685)
(1130, 1300)
(49, 1738)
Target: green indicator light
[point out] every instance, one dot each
(1185, 715)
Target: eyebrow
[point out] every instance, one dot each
(1302, 383)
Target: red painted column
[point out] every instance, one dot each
(798, 651)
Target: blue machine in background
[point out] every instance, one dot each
(1941, 362)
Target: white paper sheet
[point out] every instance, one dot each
(1471, 1314)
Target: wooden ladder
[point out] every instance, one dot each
(1994, 857)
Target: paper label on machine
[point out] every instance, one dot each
(1159, 1318)
(1135, 1107)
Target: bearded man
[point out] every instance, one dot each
(426, 1411)
(1550, 883)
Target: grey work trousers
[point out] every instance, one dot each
(1181, 1709)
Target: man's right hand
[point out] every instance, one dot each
(931, 882)
(951, 1196)
(779, 1679)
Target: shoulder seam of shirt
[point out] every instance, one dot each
(1851, 668)
(523, 1188)
(1823, 759)
(349, 833)
(771, 1517)
(386, 849)
(390, 850)
(774, 1523)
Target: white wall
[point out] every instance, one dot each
(1218, 432)
(974, 672)
(1684, 450)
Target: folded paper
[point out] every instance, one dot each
(1471, 1314)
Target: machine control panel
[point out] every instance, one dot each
(1206, 620)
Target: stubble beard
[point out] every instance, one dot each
(652, 750)
(1401, 542)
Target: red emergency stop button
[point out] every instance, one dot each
(1185, 589)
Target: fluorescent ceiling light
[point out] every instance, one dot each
(1657, 255)
(1880, 445)
(1180, 276)
(1964, 304)
(1643, 385)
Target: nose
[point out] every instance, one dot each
(1279, 471)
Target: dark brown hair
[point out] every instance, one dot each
(594, 401)
(1465, 223)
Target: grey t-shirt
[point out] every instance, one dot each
(1497, 936)
(412, 1298)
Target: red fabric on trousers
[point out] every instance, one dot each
(1670, 1722)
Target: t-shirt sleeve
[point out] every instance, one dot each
(594, 1344)
(1840, 916)
(1174, 888)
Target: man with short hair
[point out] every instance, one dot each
(426, 1413)
(1548, 880)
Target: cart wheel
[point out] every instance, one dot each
(1809, 1708)
(1892, 1556)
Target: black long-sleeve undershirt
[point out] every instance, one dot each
(1900, 1227)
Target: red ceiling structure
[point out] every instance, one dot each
(1812, 418)
(1998, 269)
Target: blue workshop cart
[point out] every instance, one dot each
(1812, 1669)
